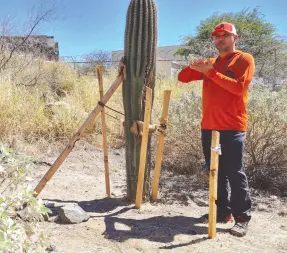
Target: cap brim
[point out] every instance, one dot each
(220, 30)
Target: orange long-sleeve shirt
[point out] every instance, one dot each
(225, 91)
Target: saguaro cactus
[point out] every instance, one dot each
(139, 58)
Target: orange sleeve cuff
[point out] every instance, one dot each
(211, 73)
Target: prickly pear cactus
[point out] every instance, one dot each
(139, 58)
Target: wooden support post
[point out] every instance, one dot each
(143, 148)
(77, 136)
(215, 149)
(104, 132)
(160, 147)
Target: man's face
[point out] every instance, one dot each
(224, 41)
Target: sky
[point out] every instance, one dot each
(82, 26)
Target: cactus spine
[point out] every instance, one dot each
(139, 58)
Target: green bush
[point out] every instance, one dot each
(19, 235)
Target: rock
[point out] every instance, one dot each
(274, 197)
(51, 248)
(200, 202)
(53, 218)
(49, 204)
(72, 214)
(262, 208)
(1, 169)
(117, 152)
(283, 212)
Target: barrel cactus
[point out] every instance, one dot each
(139, 58)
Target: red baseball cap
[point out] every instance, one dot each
(224, 27)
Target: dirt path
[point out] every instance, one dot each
(172, 225)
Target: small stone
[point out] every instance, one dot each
(117, 153)
(262, 208)
(2, 170)
(283, 212)
(274, 197)
(51, 248)
(200, 202)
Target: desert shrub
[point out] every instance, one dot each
(266, 148)
(19, 234)
(183, 151)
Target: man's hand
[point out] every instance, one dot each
(201, 65)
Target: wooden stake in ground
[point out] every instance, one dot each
(143, 148)
(104, 132)
(160, 147)
(78, 135)
(215, 151)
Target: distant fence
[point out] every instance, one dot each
(271, 69)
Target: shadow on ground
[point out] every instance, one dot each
(161, 229)
(157, 229)
(100, 206)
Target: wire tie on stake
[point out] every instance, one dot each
(217, 149)
(101, 104)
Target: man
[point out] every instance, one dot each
(224, 100)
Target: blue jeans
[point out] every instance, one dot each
(233, 191)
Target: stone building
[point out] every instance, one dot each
(35, 45)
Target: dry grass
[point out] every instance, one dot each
(45, 103)
(51, 104)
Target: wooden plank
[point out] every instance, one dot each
(143, 148)
(213, 185)
(77, 136)
(160, 147)
(104, 132)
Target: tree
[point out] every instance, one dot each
(19, 39)
(22, 51)
(97, 57)
(256, 36)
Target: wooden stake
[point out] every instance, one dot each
(143, 148)
(77, 136)
(160, 147)
(213, 184)
(104, 132)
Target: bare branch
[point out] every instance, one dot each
(38, 16)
